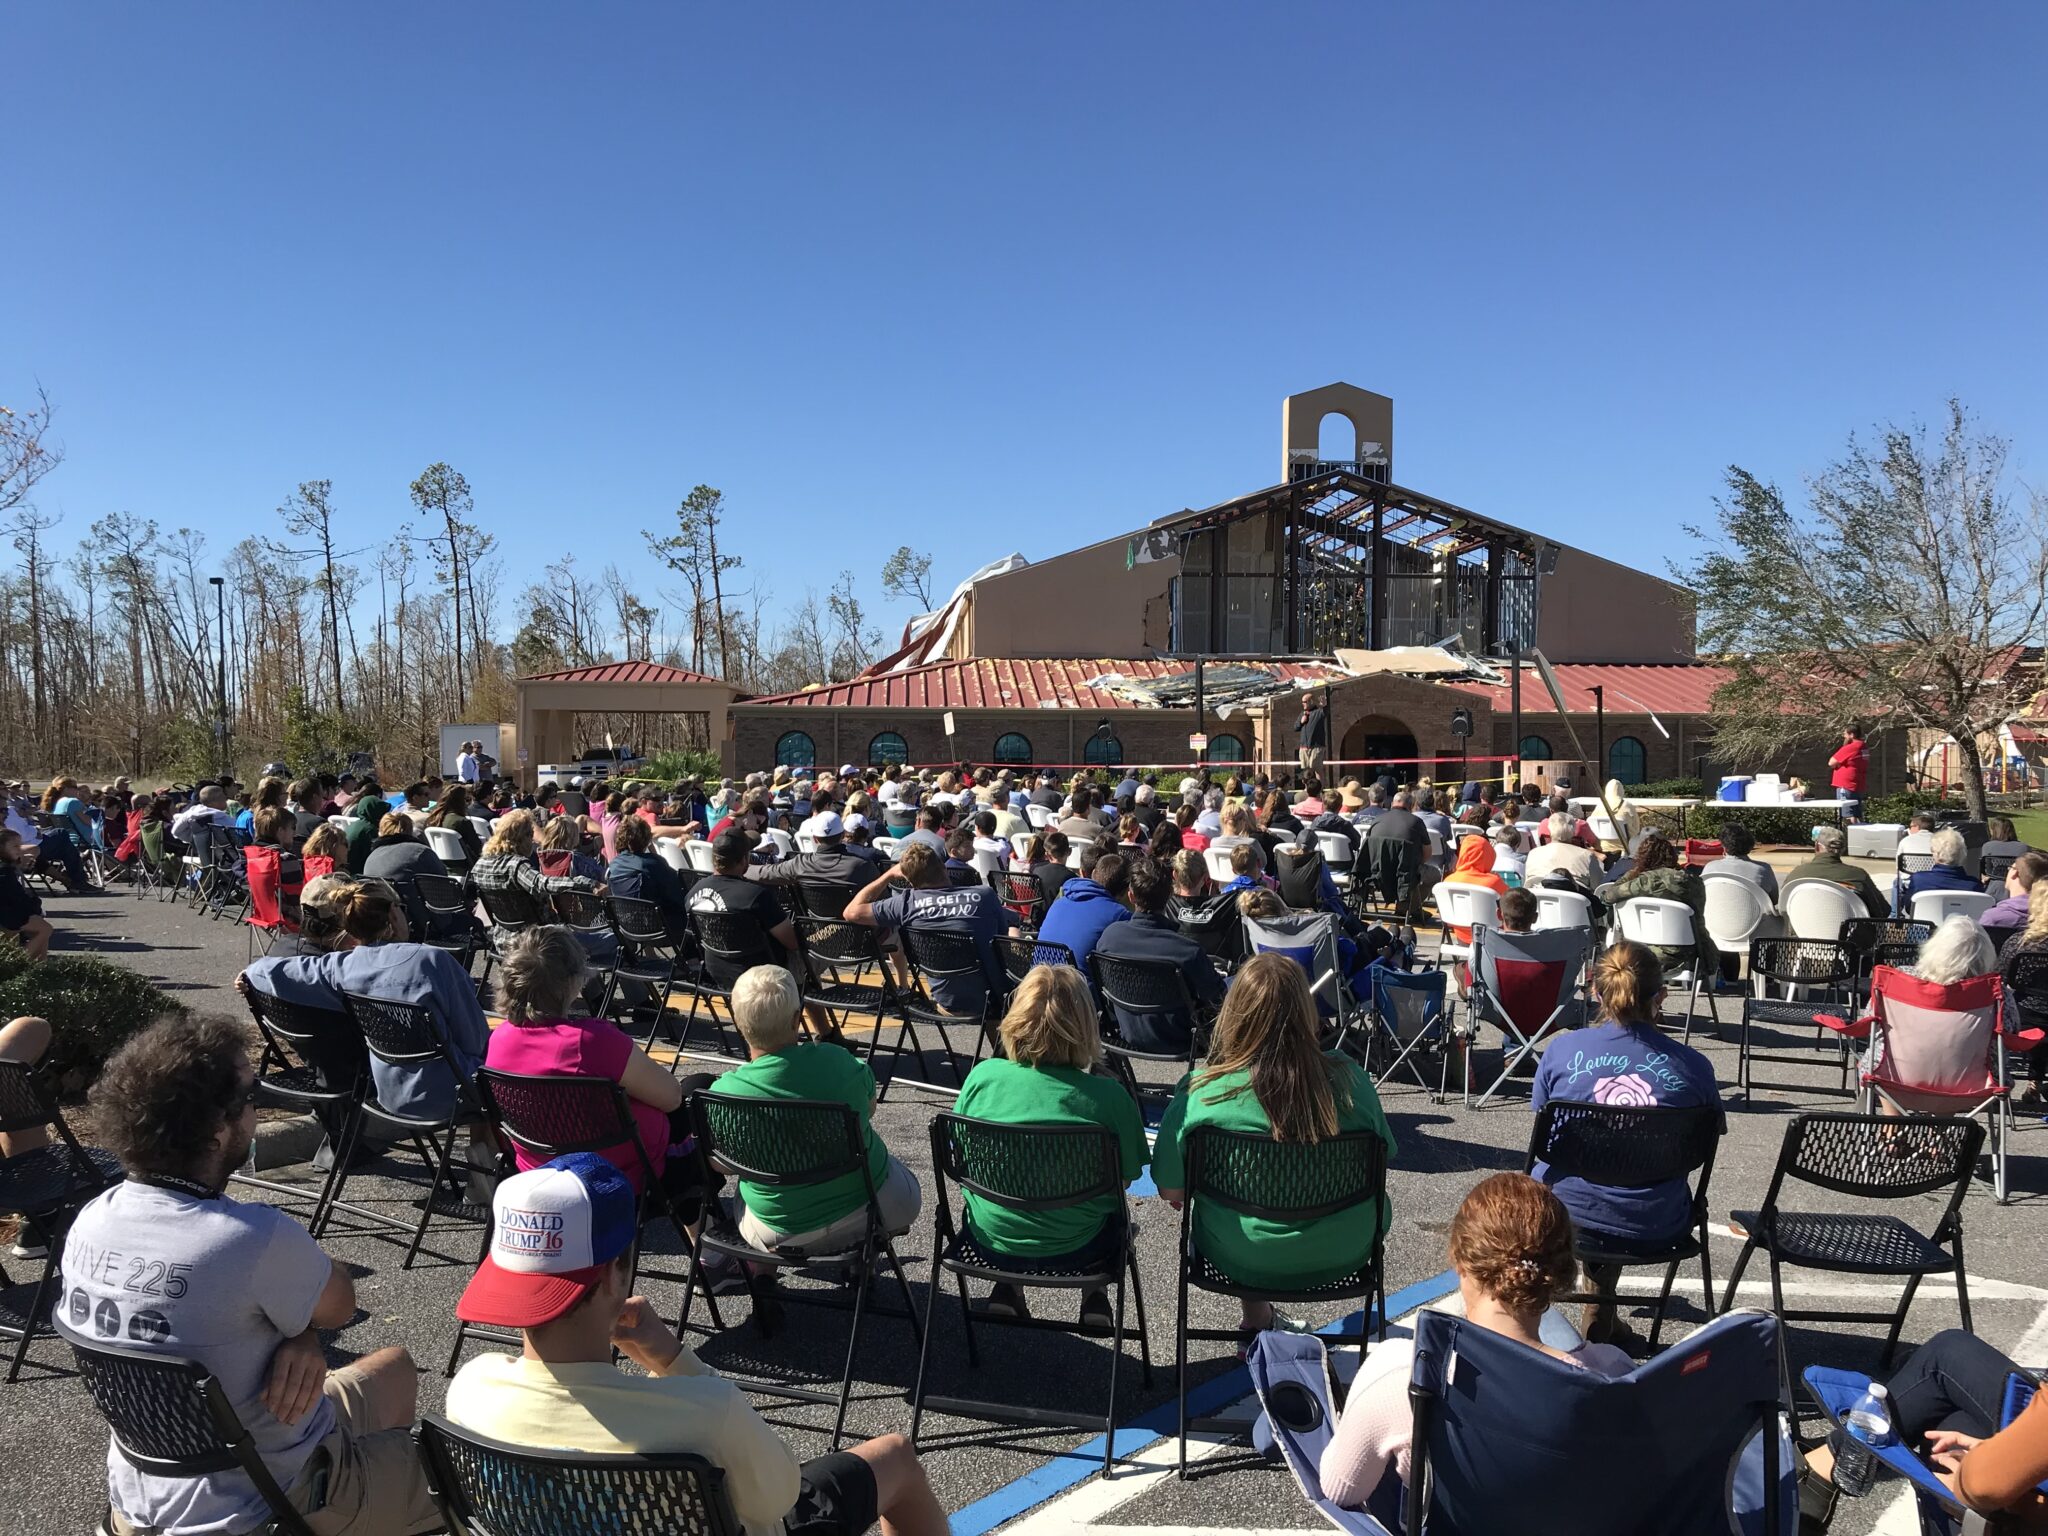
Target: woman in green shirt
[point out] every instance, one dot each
(1266, 1074)
(1045, 1076)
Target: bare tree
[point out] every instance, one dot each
(442, 492)
(854, 639)
(908, 575)
(309, 512)
(1904, 591)
(26, 452)
(692, 553)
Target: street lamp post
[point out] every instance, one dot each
(1600, 733)
(220, 669)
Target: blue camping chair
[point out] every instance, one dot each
(1309, 939)
(1671, 1449)
(1411, 1021)
(1940, 1514)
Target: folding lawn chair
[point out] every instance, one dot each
(1411, 1021)
(1799, 966)
(1527, 986)
(1940, 1050)
(1310, 940)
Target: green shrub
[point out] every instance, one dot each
(1900, 807)
(667, 767)
(1664, 789)
(93, 1006)
(1770, 823)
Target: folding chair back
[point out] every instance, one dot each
(1561, 909)
(1656, 921)
(1309, 939)
(1674, 1435)
(1529, 981)
(1938, 907)
(1627, 1146)
(1878, 1157)
(550, 1115)
(1913, 863)
(2026, 989)
(581, 912)
(1026, 1167)
(732, 941)
(485, 1487)
(1018, 955)
(1131, 986)
(698, 852)
(446, 845)
(1464, 905)
(936, 955)
(1336, 850)
(1217, 862)
(823, 898)
(172, 1419)
(1021, 894)
(1411, 1014)
(1701, 850)
(779, 1142)
(1289, 1182)
(1212, 922)
(670, 852)
(1823, 963)
(638, 922)
(324, 1039)
(266, 889)
(1819, 909)
(1935, 1047)
(1039, 816)
(832, 945)
(1736, 908)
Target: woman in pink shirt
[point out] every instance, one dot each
(1511, 1244)
(539, 986)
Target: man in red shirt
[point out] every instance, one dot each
(1850, 763)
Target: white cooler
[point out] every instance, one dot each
(1875, 840)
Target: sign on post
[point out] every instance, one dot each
(1198, 742)
(949, 722)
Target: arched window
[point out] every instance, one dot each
(1103, 749)
(886, 748)
(793, 749)
(1627, 761)
(1226, 749)
(1012, 747)
(1535, 747)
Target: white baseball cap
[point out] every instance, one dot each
(825, 824)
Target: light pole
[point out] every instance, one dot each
(220, 668)
(1600, 733)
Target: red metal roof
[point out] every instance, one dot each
(1675, 688)
(1008, 683)
(623, 672)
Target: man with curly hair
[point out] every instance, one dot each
(166, 1261)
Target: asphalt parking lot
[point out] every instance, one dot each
(996, 1477)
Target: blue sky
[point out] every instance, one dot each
(991, 277)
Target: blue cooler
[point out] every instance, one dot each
(1734, 786)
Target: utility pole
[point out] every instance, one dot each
(220, 669)
(1600, 736)
(1515, 711)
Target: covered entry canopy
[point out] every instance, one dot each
(550, 701)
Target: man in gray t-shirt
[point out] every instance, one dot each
(165, 1261)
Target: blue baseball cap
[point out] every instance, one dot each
(554, 1230)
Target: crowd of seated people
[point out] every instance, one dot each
(1142, 890)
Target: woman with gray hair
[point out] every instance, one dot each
(1957, 950)
(1948, 873)
(548, 1033)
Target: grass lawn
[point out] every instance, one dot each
(2032, 828)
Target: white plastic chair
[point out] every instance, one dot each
(698, 852)
(339, 823)
(1020, 844)
(986, 862)
(785, 846)
(1074, 857)
(1737, 911)
(483, 827)
(806, 842)
(672, 854)
(887, 846)
(1938, 907)
(1667, 924)
(1463, 906)
(1216, 859)
(1561, 909)
(1039, 816)
(446, 846)
(1816, 909)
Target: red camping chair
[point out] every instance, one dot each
(1702, 850)
(316, 867)
(1940, 1050)
(1527, 985)
(265, 868)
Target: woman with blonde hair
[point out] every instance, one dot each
(1625, 1058)
(327, 843)
(1051, 1043)
(1267, 1074)
(1511, 1245)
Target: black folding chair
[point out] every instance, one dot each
(649, 956)
(1633, 1147)
(551, 1115)
(1867, 1157)
(1019, 954)
(173, 1419)
(728, 943)
(313, 1061)
(485, 1487)
(451, 916)
(48, 1186)
(937, 956)
(1029, 1168)
(1289, 1182)
(1910, 864)
(1142, 986)
(1995, 867)
(790, 1143)
(1797, 966)
(505, 918)
(822, 898)
(1875, 941)
(1215, 924)
(1021, 894)
(839, 956)
(588, 917)
(401, 1034)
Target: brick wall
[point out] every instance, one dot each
(1055, 736)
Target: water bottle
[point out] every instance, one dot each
(1867, 1424)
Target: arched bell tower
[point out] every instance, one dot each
(1372, 433)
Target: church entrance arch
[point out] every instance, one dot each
(1378, 737)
